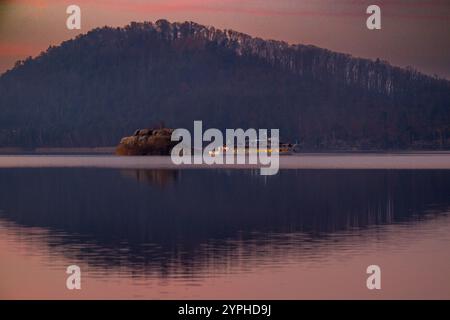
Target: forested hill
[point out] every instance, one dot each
(100, 86)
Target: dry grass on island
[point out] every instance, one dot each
(147, 142)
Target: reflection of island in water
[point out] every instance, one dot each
(182, 222)
(160, 177)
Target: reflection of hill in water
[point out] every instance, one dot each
(208, 216)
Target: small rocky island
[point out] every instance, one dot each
(147, 142)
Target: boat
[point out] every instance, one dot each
(253, 148)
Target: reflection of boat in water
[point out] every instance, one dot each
(253, 147)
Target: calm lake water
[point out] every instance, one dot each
(220, 233)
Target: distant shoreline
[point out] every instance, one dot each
(57, 150)
(112, 151)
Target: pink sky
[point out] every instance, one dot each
(414, 32)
